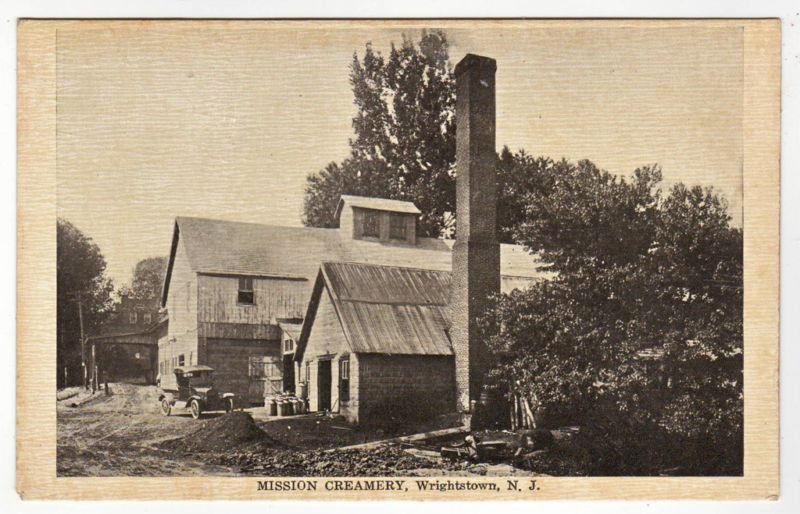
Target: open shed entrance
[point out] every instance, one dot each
(288, 373)
(324, 383)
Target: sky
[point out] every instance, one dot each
(227, 120)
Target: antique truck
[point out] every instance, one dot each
(195, 393)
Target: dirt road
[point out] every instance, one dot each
(117, 435)
(125, 434)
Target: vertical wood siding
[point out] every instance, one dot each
(273, 298)
(230, 360)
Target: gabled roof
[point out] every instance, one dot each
(379, 204)
(215, 246)
(254, 249)
(251, 249)
(385, 309)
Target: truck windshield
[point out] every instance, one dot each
(203, 380)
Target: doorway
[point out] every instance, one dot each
(288, 373)
(324, 383)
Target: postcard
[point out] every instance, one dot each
(398, 259)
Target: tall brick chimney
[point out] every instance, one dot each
(476, 253)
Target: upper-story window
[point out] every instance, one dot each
(397, 226)
(246, 296)
(288, 345)
(372, 223)
(134, 317)
(148, 318)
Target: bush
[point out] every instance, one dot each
(615, 444)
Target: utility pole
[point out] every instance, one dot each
(83, 343)
(94, 369)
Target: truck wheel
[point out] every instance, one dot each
(166, 408)
(195, 407)
(229, 405)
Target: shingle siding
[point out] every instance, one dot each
(397, 387)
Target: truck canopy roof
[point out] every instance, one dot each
(180, 370)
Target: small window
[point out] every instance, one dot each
(308, 372)
(288, 345)
(148, 317)
(191, 354)
(246, 291)
(180, 360)
(344, 380)
(133, 318)
(397, 226)
(372, 224)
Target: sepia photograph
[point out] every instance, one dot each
(403, 256)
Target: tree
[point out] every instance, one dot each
(639, 337)
(148, 279)
(404, 144)
(80, 275)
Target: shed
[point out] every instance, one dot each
(374, 343)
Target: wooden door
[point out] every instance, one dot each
(266, 377)
(324, 382)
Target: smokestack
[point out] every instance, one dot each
(476, 253)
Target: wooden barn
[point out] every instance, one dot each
(366, 317)
(237, 293)
(126, 349)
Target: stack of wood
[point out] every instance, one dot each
(521, 412)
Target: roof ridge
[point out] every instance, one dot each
(255, 223)
(397, 266)
(374, 198)
(415, 268)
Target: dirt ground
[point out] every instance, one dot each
(118, 435)
(125, 434)
(315, 432)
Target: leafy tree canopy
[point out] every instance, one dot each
(80, 275)
(642, 325)
(638, 336)
(404, 143)
(148, 279)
